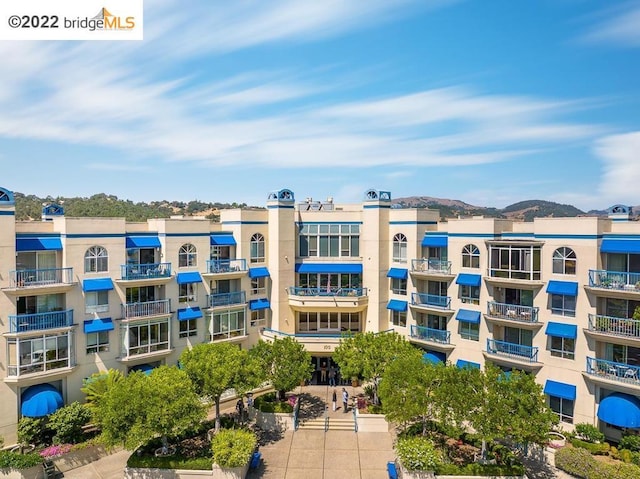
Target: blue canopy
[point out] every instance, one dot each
(619, 409)
(561, 390)
(258, 272)
(465, 279)
(398, 273)
(98, 325)
(41, 400)
(468, 316)
(145, 368)
(461, 363)
(223, 240)
(610, 245)
(345, 268)
(98, 284)
(143, 242)
(262, 303)
(565, 288)
(189, 277)
(434, 357)
(397, 305)
(435, 241)
(189, 313)
(39, 244)
(562, 330)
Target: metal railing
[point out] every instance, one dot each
(355, 418)
(26, 278)
(145, 271)
(432, 300)
(629, 328)
(513, 312)
(226, 299)
(39, 321)
(147, 308)
(513, 350)
(326, 418)
(215, 266)
(614, 371)
(327, 291)
(620, 280)
(435, 266)
(430, 334)
(325, 334)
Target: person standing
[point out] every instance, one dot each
(334, 399)
(345, 400)
(332, 376)
(240, 410)
(323, 373)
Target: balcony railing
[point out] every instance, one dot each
(614, 280)
(226, 299)
(298, 291)
(145, 271)
(26, 278)
(434, 266)
(628, 328)
(513, 350)
(147, 308)
(431, 300)
(429, 334)
(39, 321)
(513, 312)
(614, 371)
(226, 265)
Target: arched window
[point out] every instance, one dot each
(187, 255)
(96, 260)
(257, 248)
(399, 248)
(470, 256)
(564, 261)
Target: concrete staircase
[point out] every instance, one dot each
(334, 424)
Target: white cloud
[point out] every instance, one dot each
(621, 27)
(619, 154)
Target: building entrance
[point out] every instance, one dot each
(324, 370)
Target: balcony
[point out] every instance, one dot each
(226, 299)
(512, 313)
(146, 309)
(610, 372)
(431, 267)
(226, 267)
(322, 341)
(23, 323)
(305, 299)
(140, 272)
(609, 326)
(431, 301)
(615, 284)
(37, 278)
(518, 352)
(436, 338)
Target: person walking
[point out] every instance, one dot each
(334, 399)
(332, 376)
(240, 410)
(345, 400)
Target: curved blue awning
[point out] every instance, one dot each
(434, 357)
(461, 363)
(222, 240)
(97, 284)
(561, 390)
(41, 400)
(562, 330)
(466, 279)
(565, 288)
(258, 272)
(398, 273)
(619, 409)
(468, 316)
(145, 368)
(189, 277)
(397, 305)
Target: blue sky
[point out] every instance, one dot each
(489, 102)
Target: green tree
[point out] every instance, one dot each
(97, 385)
(67, 423)
(368, 354)
(140, 408)
(284, 362)
(216, 367)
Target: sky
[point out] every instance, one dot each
(488, 102)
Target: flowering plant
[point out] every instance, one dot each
(55, 450)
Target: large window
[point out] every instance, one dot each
(399, 285)
(330, 281)
(257, 248)
(141, 294)
(564, 261)
(96, 302)
(322, 240)
(562, 347)
(39, 354)
(470, 256)
(469, 331)
(187, 292)
(147, 337)
(259, 286)
(220, 252)
(399, 248)
(188, 327)
(399, 318)
(515, 261)
(562, 407)
(97, 342)
(259, 317)
(563, 305)
(96, 260)
(187, 256)
(470, 294)
(328, 322)
(227, 324)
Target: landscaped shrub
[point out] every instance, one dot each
(580, 463)
(34, 430)
(476, 469)
(418, 453)
(589, 432)
(269, 403)
(14, 460)
(67, 423)
(601, 449)
(630, 442)
(55, 451)
(233, 447)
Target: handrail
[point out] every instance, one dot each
(355, 418)
(326, 418)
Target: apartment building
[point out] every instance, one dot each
(553, 297)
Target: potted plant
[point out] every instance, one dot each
(354, 381)
(232, 450)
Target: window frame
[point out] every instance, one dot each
(398, 318)
(187, 292)
(187, 256)
(188, 328)
(399, 250)
(469, 294)
(258, 317)
(469, 331)
(101, 343)
(471, 256)
(259, 286)
(563, 309)
(257, 248)
(399, 286)
(557, 405)
(564, 348)
(96, 260)
(561, 259)
(101, 304)
(329, 240)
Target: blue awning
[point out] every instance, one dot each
(98, 284)
(620, 246)
(434, 357)
(565, 288)
(345, 268)
(465, 279)
(562, 330)
(145, 368)
(143, 242)
(461, 363)
(258, 273)
(468, 316)
(98, 325)
(398, 273)
(189, 313)
(619, 409)
(41, 400)
(435, 241)
(261, 303)
(38, 244)
(222, 240)
(561, 390)
(189, 277)
(397, 305)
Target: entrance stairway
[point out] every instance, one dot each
(335, 424)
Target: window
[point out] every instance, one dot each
(470, 256)
(187, 328)
(514, 262)
(329, 240)
(39, 354)
(562, 347)
(187, 256)
(220, 252)
(562, 407)
(96, 260)
(399, 318)
(258, 286)
(564, 261)
(97, 342)
(469, 331)
(258, 317)
(187, 292)
(147, 337)
(399, 248)
(399, 285)
(314, 321)
(96, 302)
(227, 324)
(563, 305)
(470, 294)
(257, 248)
